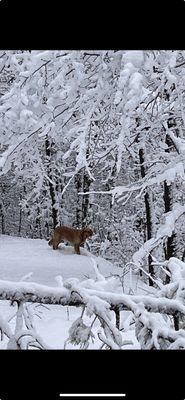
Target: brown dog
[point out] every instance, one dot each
(76, 237)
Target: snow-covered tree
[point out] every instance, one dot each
(97, 138)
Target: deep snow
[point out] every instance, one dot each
(20, 256)
(34, 261)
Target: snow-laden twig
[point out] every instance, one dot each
(99, 307)
(26, 277)
(169, 174)
(99, 276)
(98, 298)
(165, 230)
(153, 332)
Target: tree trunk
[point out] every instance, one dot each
(117, 315)
(2, 219)
(169, 248)
(20, 217)
(78, 211)
(51, 186)
(176, 321)
(168, 198)
(38, 223)
(20, 220)
(82, 183)
(148, 215)
(85, 199)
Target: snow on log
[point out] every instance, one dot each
(73, 293)
(36, 293)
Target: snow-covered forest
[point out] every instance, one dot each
(92, 138)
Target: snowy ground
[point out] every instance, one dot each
(20, 256)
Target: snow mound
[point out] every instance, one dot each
(40, 263)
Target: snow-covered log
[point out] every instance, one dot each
(36, 293)
(151, 313)
(71, 294)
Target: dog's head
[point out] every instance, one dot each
(86, 232)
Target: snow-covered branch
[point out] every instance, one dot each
(166, 230)
(76, 293)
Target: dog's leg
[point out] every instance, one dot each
(55, 245)
(77, 248)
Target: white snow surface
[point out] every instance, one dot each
(136, 57)
(21, 256)
(33, 260)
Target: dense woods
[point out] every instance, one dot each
(97, 138)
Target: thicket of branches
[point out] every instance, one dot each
(97, 138)
(110, 122)
(159, 316)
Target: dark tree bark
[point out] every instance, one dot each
(2, 211)
(148, 215)
(20, 213)
(48, 146)
(3, 230)
(176, 321)
(85, 199)
(117, 315)
(169, 248)
(170, 242)
(82, 184)
(78, 211)
(38, 223)
(20, 220)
